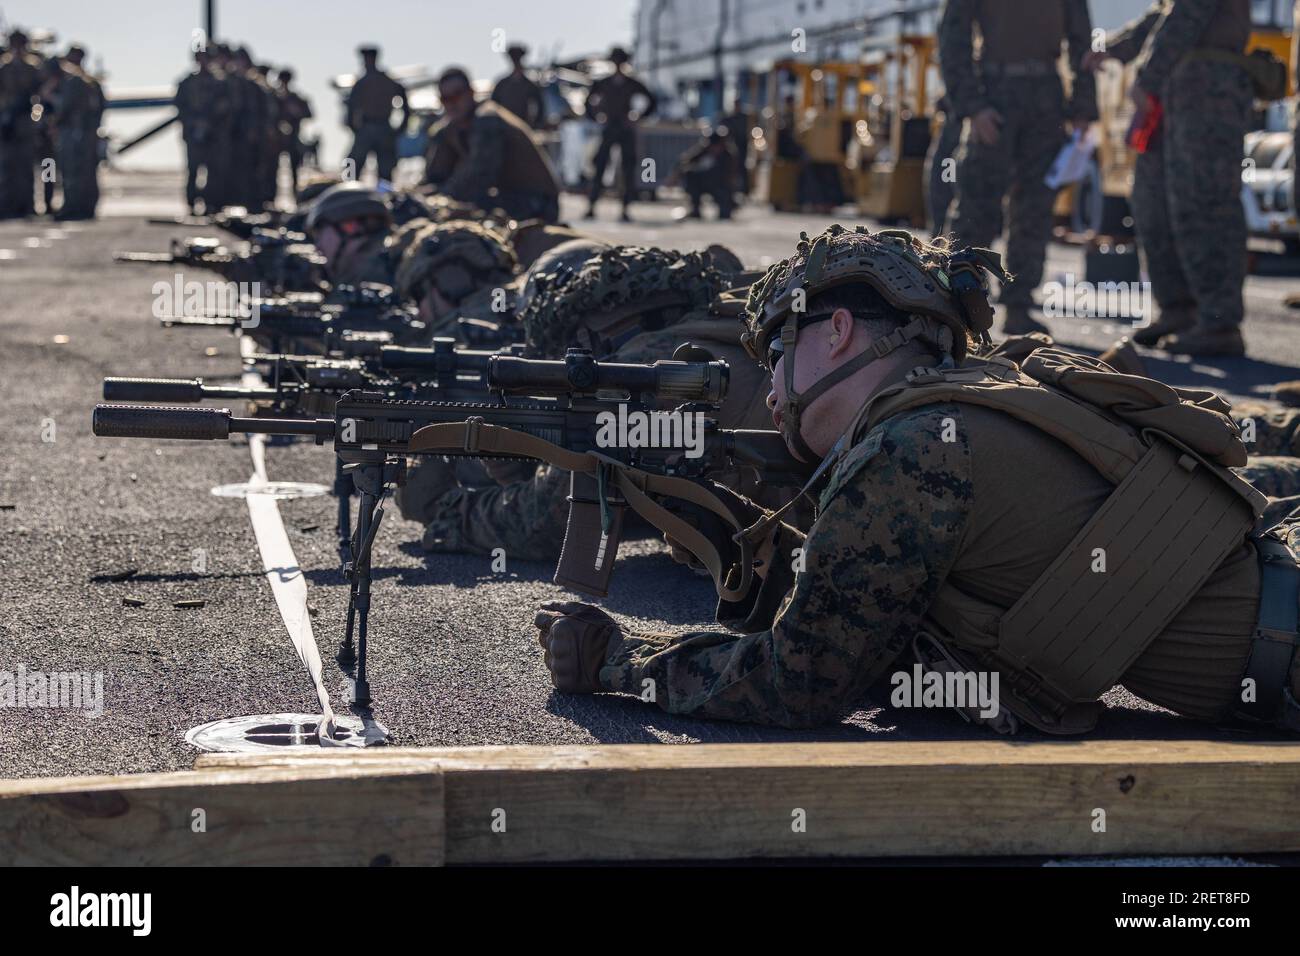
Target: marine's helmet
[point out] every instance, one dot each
(350, 203)
(943, 295)
(457, 258)
(614, 294)
(553, 265)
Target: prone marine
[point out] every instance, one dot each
(975, 514)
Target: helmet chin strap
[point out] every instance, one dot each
(797, 403)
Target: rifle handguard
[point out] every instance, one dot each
(180, 390)
(588, 553)
(160, 421)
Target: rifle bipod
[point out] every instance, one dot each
(343, 494)
(371, 481)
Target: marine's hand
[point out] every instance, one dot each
(575, 637)
(986, 126)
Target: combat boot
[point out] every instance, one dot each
(1123, 357)
(1172, 320)
(1199, 340)
(1018, 321)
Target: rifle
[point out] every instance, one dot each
(290, 326)
(301, 385)
(285, 264)
(566, 422)
(237, 221)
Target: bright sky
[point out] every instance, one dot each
(144, 43)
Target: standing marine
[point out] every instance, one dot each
(1012, 103)
(1191, 65)
(20, 81)
(369, 111)
(198, 100)
(294, 108)
(79, 107)
(610, 102)
(517, 91)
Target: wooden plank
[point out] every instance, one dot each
(324, 815)
(949, 798)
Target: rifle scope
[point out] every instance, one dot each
(579, 373)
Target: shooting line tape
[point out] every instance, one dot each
(288, 586)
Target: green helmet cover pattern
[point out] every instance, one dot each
(457, 258)
(948, 290)
(613, 289)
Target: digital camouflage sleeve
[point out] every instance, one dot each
(1172, 38)
(815, 639)
(957, 58)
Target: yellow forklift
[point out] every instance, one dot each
(823, 124)
(891, 188)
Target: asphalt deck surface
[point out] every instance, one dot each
(88, 522)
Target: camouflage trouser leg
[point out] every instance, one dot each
(195, 158)
(377, 138)
(1014, 167)
(77, 167)
(940, 184)
(526, 518)
(216, 184)
(1187, 194)
(17, 178)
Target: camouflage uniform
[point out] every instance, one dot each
(198, 99)
(80, 105)
(814, 641)
(1016, 74)
(370, 106)
(293, 109)
(520, 95)
(20, 78)
(1187, 185)
(223, 110)
(609, 102)
(491, 161)
(266, 174)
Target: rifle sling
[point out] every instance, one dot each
(476, 436)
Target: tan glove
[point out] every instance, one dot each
(575, 637)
